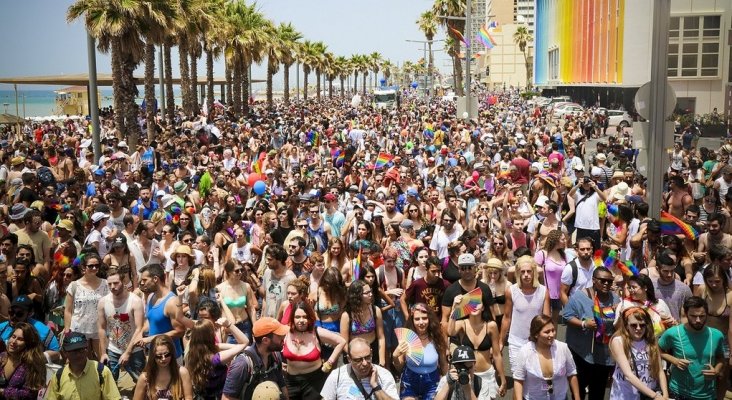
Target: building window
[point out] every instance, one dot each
(694, 46)
(554, 65)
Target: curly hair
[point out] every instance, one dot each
(200, 350)
(552, 240)
(354, 296)
(32, 356)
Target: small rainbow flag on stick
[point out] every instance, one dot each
(485, 37)
(416, 349)
(382, 160)
(671, 225)
(627, 268)
(458, 35)
(356, 267)
(468, 304)
(340, 158)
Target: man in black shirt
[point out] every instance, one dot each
(28, 194)
(467, 282)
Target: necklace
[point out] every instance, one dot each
(298, 342)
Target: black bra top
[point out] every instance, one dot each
(483, 346)
(500, 299)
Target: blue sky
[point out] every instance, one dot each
(36, 40)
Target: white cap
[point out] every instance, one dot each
(85, 143)
(541, 201)
(98, 216)
(466, 259)
(160, 193)
(269, 171)
(122, 144)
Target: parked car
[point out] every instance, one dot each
(567, 109)
(619, 118)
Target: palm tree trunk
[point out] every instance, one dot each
(459, 90)
(528, 70)
(305, 73)
(270, 73)
(429, 66)
(245, 87)
(236, 86)
(169, 99)
(330, 88)
(150, 88)
(129, 91)
(355, 82)
(193, 100)
(286, 78)
(317, 84)
(363, 86)
(343, 81)
(229, 99)
(185, 82)
(117, 91)
(209, 81)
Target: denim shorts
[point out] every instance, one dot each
(392, 319)
(326, 350)
(135, 364)
(420, 386)
(245, 327)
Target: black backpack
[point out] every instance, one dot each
(46, 177)
(257, 372)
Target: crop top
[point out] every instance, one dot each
(361, 329)
(500, 299)
(236, 303)
(484, 345)
(313, 355)
(326, 310)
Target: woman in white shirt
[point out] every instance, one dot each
(545, 365)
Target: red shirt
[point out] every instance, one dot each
(522, 166)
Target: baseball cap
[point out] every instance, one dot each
(463, 354)
(98, 216)
(541, 201)
(601, 156)
(160, 193)
(265, 326)
(23, 302)
(74, 341)
(412, 192)
(406, 224)
(267, 390)
(329, 197)
(466, 259)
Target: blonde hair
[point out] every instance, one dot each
(534, 269)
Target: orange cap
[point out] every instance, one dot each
(266, 325)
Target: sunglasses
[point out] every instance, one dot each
(238, 270)
(19, 313)
(448, 221)
(637, 326)
(604, 281)
(163, 356)
(302, 226)
(93, 266)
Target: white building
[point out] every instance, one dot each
(504, 65)
(600, 49)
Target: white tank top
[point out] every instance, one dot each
(621, 388)
(120, 325)
(723, 187)
(525, 308)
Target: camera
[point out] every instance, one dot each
(586, 179)
(463, 373)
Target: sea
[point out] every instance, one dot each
(41, 103)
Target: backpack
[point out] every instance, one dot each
(46, 177)
(100, 373)
(256, 372)
(575, 271)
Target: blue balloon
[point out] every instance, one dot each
(414, 85)
(259, 187)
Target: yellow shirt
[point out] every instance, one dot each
(84, 386)
(39, 241)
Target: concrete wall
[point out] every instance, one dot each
(506, 60)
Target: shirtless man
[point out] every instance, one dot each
(713, 236)
(451, 203)
(678, 198)
(63, 168)
(549, 223)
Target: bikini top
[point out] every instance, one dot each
(357, 328)
(500, 299)
(326, 310)
(313, 355)
(484, 345)
(237, 302)
(724, 313)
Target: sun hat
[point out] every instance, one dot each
(182, 249)
(98, 216)
(621, 190)
(463, 354)
(85, 143)
(167, 200)
(466, 259)
(65, 224)
(15, 161)
(265, 326)
(494, 263)
(180, 186)
(18, 211)
(37, 205)
(618, 175)
(74, 341)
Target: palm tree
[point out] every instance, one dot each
(356, 61)
(319, 49)
(309, 59)
(522, 38)
(375, 60)
(331, 71)
(289, 37)
(213, 44)
(365, 66)
(245, 45)
(450, 49)
(117, 27)
(274, 49)
(453, 8)
(343, 68)
(427, 23)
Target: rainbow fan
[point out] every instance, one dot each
(416, 350)
(671, 225)
(627, 268)
(60, 258)
(468, 304)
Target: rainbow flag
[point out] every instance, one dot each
(600, 314)
(493, 24)
(340, 158)
(429, 131)
(257, 165)
(598, 258)
(485, 37)
(313, 137)
(382, 160)
(627, 268)
(357, 267)
(671, 225)
(458, 35)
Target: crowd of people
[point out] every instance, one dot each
(276, 255)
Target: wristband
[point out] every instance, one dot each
(376, 389)
(584, 327)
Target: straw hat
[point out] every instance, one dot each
(183, 249)
(494, 263)
(15, 161)
(66, 224)
(267, 390)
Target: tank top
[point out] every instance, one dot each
(120, 325)
(621, 389)
(159, 322)
(525, 307)
(429, 363)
